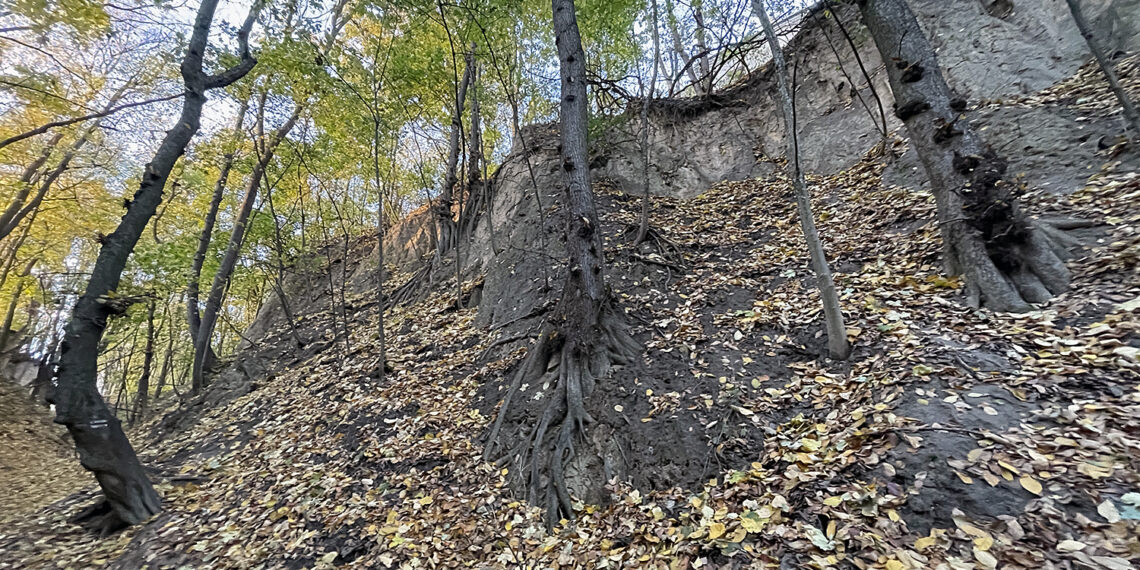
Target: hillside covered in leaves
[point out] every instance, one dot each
(952, 437)
(642, 371)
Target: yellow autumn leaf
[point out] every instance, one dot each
(1030, 484)
(895, 565)
(716, 530)
(924, 542)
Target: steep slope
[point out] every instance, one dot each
(952, 438)
(37, 460)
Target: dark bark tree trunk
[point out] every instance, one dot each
(584, 335)
(103, 447)
(13, 303)
(143, 391)
(193, 316)
(1131, 116)
(1008, 260)
(229, 259)
(444, 215)
(833, 315)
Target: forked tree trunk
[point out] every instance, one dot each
(1131, 116)
(103, 447)
(448, 237)
(1008, 260)
(193, 314)
(679, 48)
(837, 344)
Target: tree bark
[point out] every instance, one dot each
(144, 378)
(1131, 116)
(99, 438)
(447, 229)
(193, 316)
(679, 48)
(833, 315)
(1008, 260)
(229, 259)
(643, 225)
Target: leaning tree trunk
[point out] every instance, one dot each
(836, 333)
(193, 286)
(99, 439)
(1131, 116)
(233, 248)
(584, 336)
(1008, 260)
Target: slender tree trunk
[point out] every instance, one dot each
(28, 179)
(643, 226)
(447, 230)
(229, 259)
(98, 435)
(381, 233)
(148, 358)
(167, 357)
(702, 47)
(13, 303)
(1008, 260)
(1131, 116)
(679, 48)
(193, 316)
(11, 222)
(833, 315)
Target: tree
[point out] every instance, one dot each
(103, 447)
(643, 225)
(193, 315)
(585, 335)
(1009, 261)
(1131, 115)
(266, 151)
(837, 344)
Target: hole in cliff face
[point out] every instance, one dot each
(998, 8)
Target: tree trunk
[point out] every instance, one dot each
(447, 229)
(679, 48)
(148, 358)
(13, 303)
(229, 259)
(29, 177)
(1131, 116)
(584, 335)
(643, 225)
(103, 447)
(12, 217)
(706, 79)
(833, 315)
(1008, 260)
(193, 316)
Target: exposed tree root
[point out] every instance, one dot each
(1013, 267)
(570, 369)
(411, 289)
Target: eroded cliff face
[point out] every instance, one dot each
(991, 51)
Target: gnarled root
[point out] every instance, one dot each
(1013, 274)
(571, 367)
